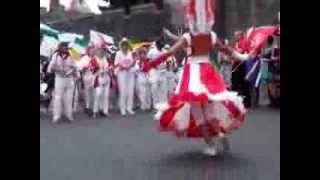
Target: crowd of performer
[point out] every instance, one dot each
(103, 81)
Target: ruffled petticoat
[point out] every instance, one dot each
(200, 83)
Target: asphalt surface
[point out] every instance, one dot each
(121, 148)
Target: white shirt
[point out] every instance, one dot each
(124, 60)
(153, 53)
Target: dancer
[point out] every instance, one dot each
(65, 73)
(102, 81)
(126, 77)
(201, 106)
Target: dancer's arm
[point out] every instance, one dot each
(163, 57)
(231, 52)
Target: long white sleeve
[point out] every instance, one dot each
(242, 57)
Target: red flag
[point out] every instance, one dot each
(258, 36)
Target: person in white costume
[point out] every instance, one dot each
(154, 74)
(171, 75)
(125, 72)
(87, 78)
(65, 73)
(143, 85)
(102, 81)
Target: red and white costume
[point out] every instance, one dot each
(201, 98)
(101, 84)
(143, 85)
(201, 83)
(88, 67)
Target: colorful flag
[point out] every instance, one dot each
(98, 38)
(45, 30)
(48, 45)
(258, 36)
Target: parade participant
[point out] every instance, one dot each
(101, 84)
(126, 77)
(171, 76)
(87, 68)
(201, 106)
(238, 82)
(65, 71)
(154, 74)
(265, 77)
(257, 68)
(144, 87)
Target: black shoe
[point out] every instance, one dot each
(103, 114)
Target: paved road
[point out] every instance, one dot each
(120, 148)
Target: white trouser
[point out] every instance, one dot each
(76, 99)
(163, 90)
(126, 81)
(154, 81)
(63, 95)
(88, 89)
(171, 80)
(144, 91)
(101, 97)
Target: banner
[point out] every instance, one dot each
(258, 36)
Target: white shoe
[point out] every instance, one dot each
(55, 120)
(131, 112)
(211, 151)
(94, 115)
(123, 113)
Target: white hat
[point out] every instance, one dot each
(167, 46)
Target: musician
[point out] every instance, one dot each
(65, 70)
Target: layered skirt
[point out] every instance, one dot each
(201, 84)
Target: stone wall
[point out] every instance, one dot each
(241, 14)
(144, 23)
